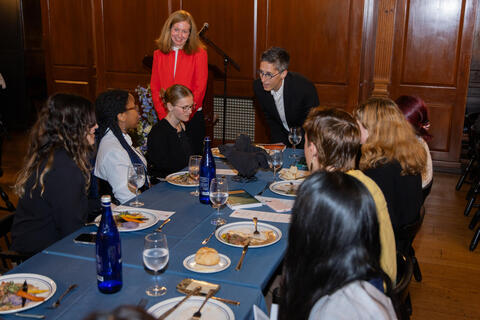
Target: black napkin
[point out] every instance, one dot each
(245, 157)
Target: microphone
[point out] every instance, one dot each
(203, 30)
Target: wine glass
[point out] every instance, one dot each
(295, 137)
(194, 170)
(136, 178)
(155, 258)
(218, 197)
(276, 161)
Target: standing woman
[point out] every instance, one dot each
(181, 59)
(116, 114)
(416, 113)
(168, 146)
(53, 183)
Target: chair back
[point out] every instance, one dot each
(400, 292)
(6, 222)
(105, 188)
(6, 255)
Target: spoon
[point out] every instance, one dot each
(219, 224)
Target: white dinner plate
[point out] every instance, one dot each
(301, 174)
(173, 175)
(39, 281)
(286, 188)
(151, 220)
(247, 227)
(190, 264)
(213, 310)
(216, 153)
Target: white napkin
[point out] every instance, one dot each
(226, 172)
(162, 215)
(279, 205)
(258, 314)
(262, 215)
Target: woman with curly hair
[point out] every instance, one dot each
(53, 183)
(415, 111)
(394, 158)
(181, 58)
(331, 267)
(116, 114)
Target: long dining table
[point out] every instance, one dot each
(66, 262)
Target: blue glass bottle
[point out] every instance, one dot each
(108, 251)
(207, 172)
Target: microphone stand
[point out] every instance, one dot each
(226, 60)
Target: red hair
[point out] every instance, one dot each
(414, 109)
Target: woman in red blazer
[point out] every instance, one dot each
(181, 59)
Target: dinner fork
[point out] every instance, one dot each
(57, 303)
(197, 315)
(163, 224)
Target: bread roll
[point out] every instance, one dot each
(207, 256)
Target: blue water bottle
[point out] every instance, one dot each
(207, 172)
(108, 251)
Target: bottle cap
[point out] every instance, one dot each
(106, 198)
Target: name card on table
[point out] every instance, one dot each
(279, 205)
(262, 215)
(162, 215)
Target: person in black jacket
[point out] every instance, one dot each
(168, 144)
(53, 184)
(285, 97)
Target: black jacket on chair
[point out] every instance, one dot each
(299, 96)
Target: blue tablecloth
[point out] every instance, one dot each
(67, 262)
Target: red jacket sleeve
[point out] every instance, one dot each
(200, 76)
(156, 85)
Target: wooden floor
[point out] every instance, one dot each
(451, 273)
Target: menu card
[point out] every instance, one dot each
(162, 215)
(279, 205)
(262, 215)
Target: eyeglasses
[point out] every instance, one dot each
(187, 108)
(268, 75)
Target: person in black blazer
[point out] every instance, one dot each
(285, 97)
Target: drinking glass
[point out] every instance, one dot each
(295, 137)
(218, 197)
(276, 161)
(194, 170)
(136, 178)
(155, 258)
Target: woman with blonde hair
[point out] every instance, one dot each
(394, 158)
(181, 59)
(54, 181)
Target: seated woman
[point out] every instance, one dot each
(54, 181)
(416, 112)
(331, 267)
(394, 158)
(116, 114)
(332, 142)
(168, 145)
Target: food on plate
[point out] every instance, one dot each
(241, 238)
(184, 179)
(292, 173)
(288, 188)
(216, 153)
(129, 220)
(272, 146)
(207, 256)
(11, 295)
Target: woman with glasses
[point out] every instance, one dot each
(181, 59)
(116, 114)
(168, 145)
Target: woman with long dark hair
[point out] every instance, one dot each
(332, 268)
(54, 181)
(181, 58)
(116, 114)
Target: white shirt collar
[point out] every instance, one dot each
(279, 92)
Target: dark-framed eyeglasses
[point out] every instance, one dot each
(187, 108)
(268, 75)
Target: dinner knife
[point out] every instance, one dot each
(24, 289)
(244, 251)
(169, 311)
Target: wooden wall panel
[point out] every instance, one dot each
(433, 43)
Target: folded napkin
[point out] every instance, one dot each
(245, 157)
(279, 205)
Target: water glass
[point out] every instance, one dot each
(295, 137)
(136, 178)
(155, 258)
(275, 161)
(194, 170)
(218, 197)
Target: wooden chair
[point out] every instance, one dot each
(400, 293)
(407, 235)
(9, 256)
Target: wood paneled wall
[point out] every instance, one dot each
(347, 48)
